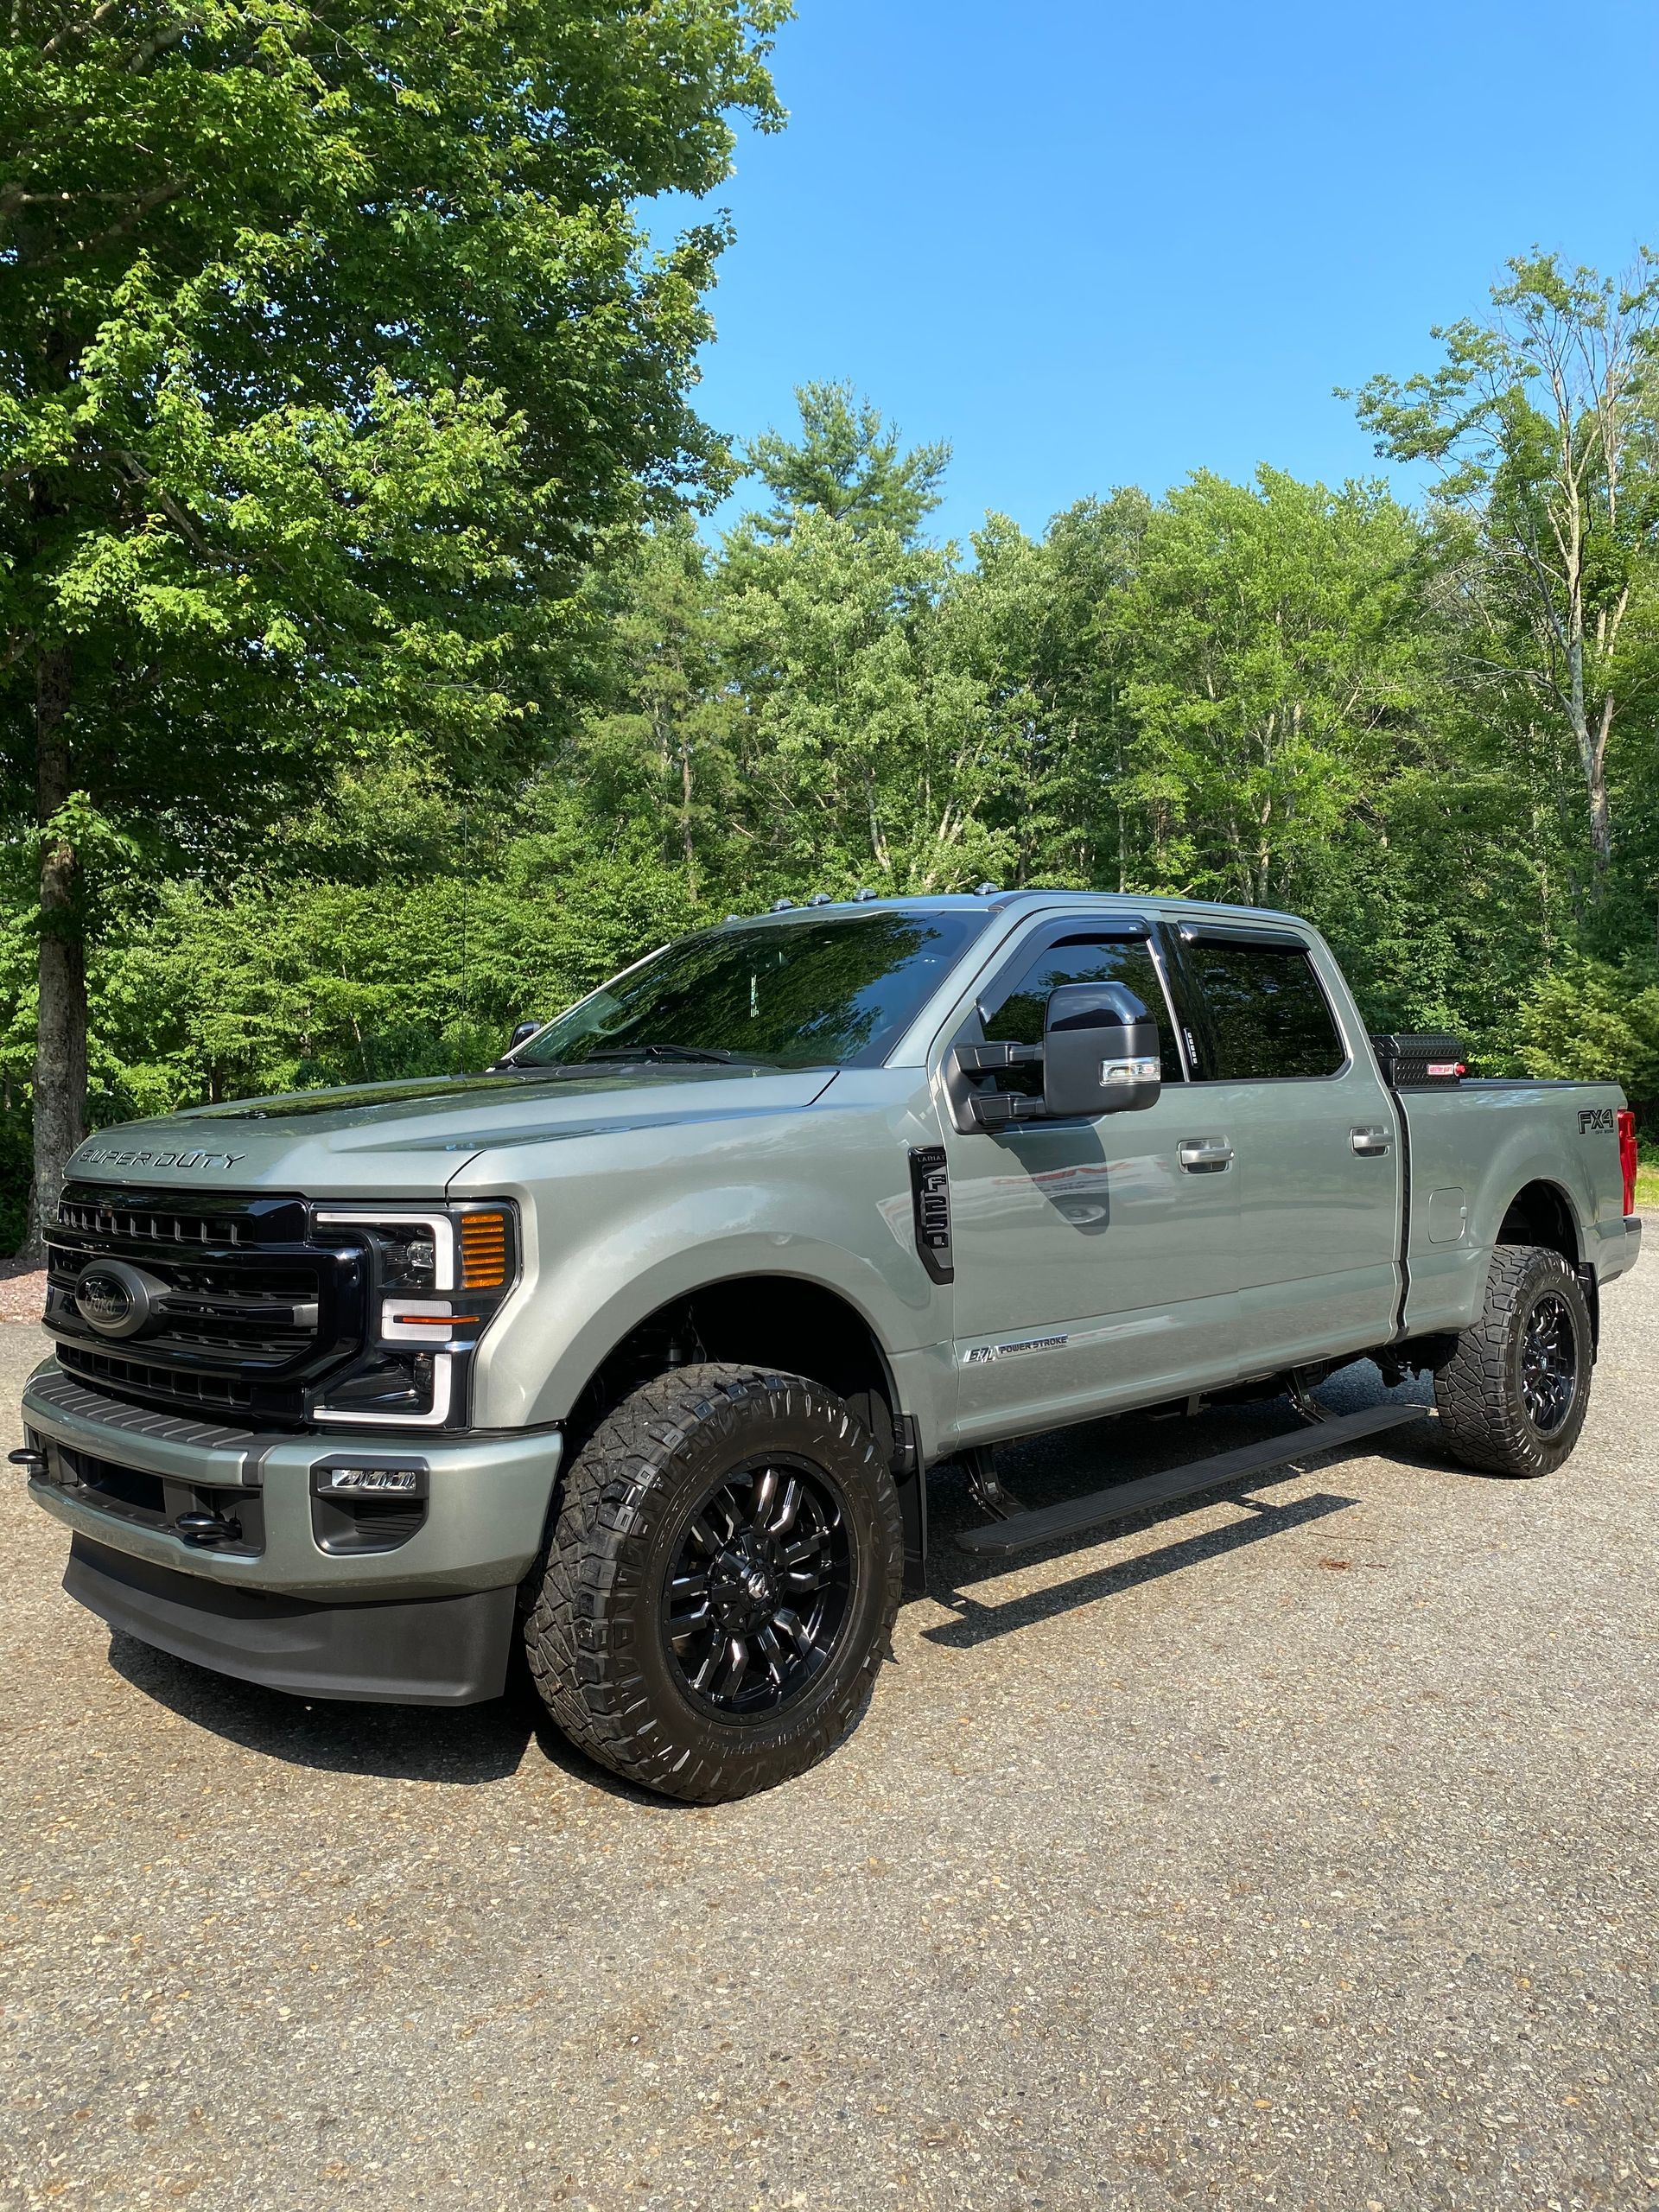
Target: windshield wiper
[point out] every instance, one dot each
(670, 1052)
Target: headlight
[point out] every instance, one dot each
(437, 1278)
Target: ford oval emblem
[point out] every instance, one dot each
(114, 1299)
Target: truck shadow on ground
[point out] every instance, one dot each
(1071, 1462)
(465, 1746)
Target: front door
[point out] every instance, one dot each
(1092, 1266)
(1315, 1135)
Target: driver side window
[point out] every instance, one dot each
(1012, 1011)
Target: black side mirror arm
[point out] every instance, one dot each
(972, 1109)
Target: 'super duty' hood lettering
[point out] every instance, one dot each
(111, 1158)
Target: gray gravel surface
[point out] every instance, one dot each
(1294, 1852)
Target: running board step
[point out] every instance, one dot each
(1075, 1516)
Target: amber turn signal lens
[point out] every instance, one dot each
(483, 1251)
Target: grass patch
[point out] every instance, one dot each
(1647, 1187)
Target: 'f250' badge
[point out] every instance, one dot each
(930, 1195)
(1598, 1118)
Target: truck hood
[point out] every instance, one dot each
(409, 1138)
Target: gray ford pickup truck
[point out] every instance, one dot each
(638, 1347)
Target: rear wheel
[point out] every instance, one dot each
(1513, 1396)
(721, 1582)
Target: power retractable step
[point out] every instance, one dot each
(1076, 1517)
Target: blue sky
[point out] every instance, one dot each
(1094, 244)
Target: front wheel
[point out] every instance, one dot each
(722, 1583)
(1513, 1396)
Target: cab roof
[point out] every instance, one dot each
(1001, 902)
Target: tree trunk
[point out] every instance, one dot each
(686, 837)
(1592, 752)
(60, 1029)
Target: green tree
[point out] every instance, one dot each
(1593, 1021)
(658, 741)
(1543, 424)
(1078, 817)
(330, 353)
(1271, 642)
(418, 965)
(846, 464)
(870, 754)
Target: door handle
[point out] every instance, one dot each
(1204, 1155)
(1369, 1143)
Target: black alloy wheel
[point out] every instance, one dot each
(1513, 1394)
(720, 1583)
(759, 1591)
(1549, 1364)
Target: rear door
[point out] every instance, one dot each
(1293, 1087)
(1091, 1268)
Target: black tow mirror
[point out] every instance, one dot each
(1100, 1052)
(522, 1030)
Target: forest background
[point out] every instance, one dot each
(371, 678)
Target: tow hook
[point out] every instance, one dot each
(207, 1528)
(33, 1464)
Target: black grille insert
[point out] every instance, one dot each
(151, 1224)
(249, 1310)
(139, 1379)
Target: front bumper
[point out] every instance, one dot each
(422, 1651)
(484, 1521)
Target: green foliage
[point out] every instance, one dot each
(347, 496)
(17, 1172)
(1543, 424)
(1247, 691)
(845, 465)
(870, 755)
(1588, 1019)
(295, 981)
(1275, 637)
(332, 355)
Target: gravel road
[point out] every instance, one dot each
(1300, 1851)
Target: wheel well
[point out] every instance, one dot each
(1541, 1215)
(775, 1321)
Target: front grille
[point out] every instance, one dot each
(251, 1309)
(148, 1224)
(133, 1378)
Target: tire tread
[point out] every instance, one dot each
(1482, 1420)
(620, 1477)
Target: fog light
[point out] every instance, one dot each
(374, 1478)
(370, 1482)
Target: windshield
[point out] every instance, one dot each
(834, 993)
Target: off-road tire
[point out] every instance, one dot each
(1484, 1420)
(594, 1632)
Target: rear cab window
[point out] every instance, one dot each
(1261, 1015)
